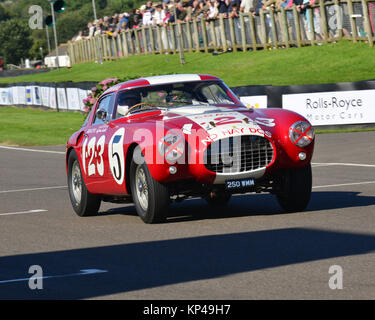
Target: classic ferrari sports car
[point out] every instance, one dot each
(160, 139)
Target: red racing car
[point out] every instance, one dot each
(160, 139)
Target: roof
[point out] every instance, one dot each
(156, 80)
(165, 79)
(63, 51)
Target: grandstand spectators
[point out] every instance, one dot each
(162, 13)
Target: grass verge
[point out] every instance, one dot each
(32, 127)
(343, 61)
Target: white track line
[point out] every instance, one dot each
(23, 212)
(344, 184)
(84, 272)
(31, 150)
(316, 164)
(33, 189)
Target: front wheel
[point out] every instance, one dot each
(84, 203)
(151, 198)
(295, 192)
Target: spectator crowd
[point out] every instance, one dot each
(168, 11)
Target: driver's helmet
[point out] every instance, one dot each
(126, 100)
(129, 99)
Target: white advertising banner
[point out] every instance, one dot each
(21, 93)
(333, 108)
(52, 98)
(254, 101)
(29, 95)
(73, 99)
(44, 92)
(4, 96)
(36, 96)
(15, 95)
(82, 96)
(61, 98)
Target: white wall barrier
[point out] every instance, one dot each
(68, 99)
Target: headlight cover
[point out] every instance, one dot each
(301, 133)
(172, 147)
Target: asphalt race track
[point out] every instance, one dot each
(250, 250)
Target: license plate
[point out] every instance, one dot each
(239, 183)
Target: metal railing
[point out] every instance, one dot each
(270, 29)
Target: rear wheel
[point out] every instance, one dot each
(295, 191)
(84, 203)
(151, 198)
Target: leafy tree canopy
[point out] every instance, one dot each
(75, 17)
(15, 40)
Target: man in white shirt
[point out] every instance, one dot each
(159, 15)
(246, 6)
(147, 17)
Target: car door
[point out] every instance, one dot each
(94, 147)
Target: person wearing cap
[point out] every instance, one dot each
(181, 13)
(212, 9)
(146, 16)
(159, 14)
(196, 9)
(149, 6)
(123, 23)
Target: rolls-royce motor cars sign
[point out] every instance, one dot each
(333, 108)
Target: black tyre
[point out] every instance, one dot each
(84, 203)
(218, 199)
(295, 192)
(151, 198)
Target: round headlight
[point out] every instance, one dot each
(172, 147)
(301, 133)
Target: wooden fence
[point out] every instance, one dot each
(271, 29)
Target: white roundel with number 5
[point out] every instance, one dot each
(116, 155)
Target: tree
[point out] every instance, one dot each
(4, 13)
(15, 40)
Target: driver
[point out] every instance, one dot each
(127, 100)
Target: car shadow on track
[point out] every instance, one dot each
(255, 205)
(145, 265)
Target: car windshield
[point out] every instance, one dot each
(201, 93)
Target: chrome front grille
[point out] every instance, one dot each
(238, 154)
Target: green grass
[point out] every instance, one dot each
(26, 127)
(344, 61)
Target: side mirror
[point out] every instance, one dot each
(102, 115)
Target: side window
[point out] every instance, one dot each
(215, 94)
(105, 104)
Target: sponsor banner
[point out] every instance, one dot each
(3, 96)
(61, 98)
(333, 108)
(254, 101)
(83, 94)
(52, 98)
(15, 96)
(36, 96)
(73, 99)
(29, 95)
(21, 93)
(44, 92)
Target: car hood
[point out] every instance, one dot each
(219, 122)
